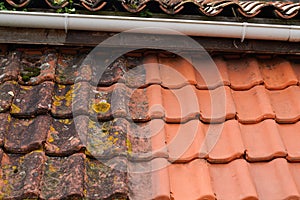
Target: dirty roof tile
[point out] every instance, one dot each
(33, 100)
(62, 101)
(232, 180)
(7, 92)
(210, 73)
(253, 105)
(9, 67)
(152, 175)
(63, 177)
(113, 181)
(138, 105)
(21, 175)
(277, 73)
(180, 104)
(68, 69)
(229, 145)
(63, 139)
(176, 72)
(244, 73)
(36, 67)
(4, 124)
(285, 104)
(290, 134)
(25, 135)
(262, 141)
(184, 178)
(216, 105)
(273, 180)
(105, 140)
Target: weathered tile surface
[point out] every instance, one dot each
(25, 135)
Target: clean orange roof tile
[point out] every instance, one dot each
(156, 109)
(228, 144)
(184, 140)
(273, 180)
(253, 105)
(180, 104)
(210, 73)
(290, 134)
(151, 65)
(191, 181)
(277, 73)
(262, 141)
(244, 73)
(232, 181)
(216, 105)
(176, 72)
(286, 104)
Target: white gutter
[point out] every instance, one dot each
(118, 24)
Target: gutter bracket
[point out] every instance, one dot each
(244, 31)
(66, 22)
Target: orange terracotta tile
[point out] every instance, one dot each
(158, 138)
(149, 180)
(262, 141)
(151, 65)
(290, 134)
(232, 181)
(191, 181)
(154, 95)
(210, 73)
(253, 105)
(228, 143)
(176, 72)
(273, 180)
(278, 73)
(294, 169)
(184, 140)
(244, 73)
(216, 105)
(286, 104)
(296, 68)
(180, 104)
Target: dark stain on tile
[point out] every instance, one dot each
(25, 135)
(21, 175)
(62, 139)
(106, 181)
(7, 92)
(33, 100)
(9, 67)
(63, 177)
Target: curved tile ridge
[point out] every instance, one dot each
(285, 10)
(233, 180)
(253, 105)
(278, 169)
(262, 141)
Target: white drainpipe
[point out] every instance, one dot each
(118, 24)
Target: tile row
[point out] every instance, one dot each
(144, 104)
(30, 67)
(35, 175)
(218, 143)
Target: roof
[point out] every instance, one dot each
(248, 9)
(67, 134)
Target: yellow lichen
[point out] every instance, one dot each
(26, 87)
(65, 121)
(15, 108)
(61, 86)
(101, 107)
(52, 168)
(50, 139)
(129, 146)
(56, 103)
(8, 118)
(52, 129)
